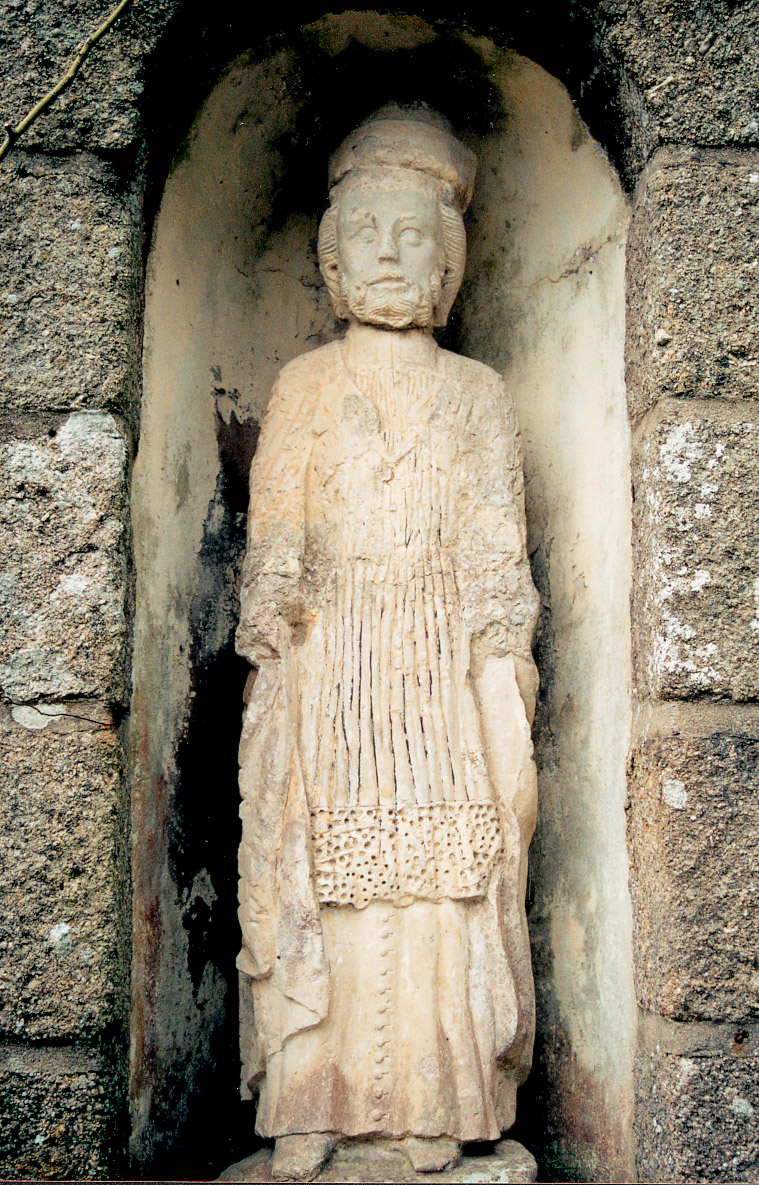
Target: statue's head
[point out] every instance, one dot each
(392, 246)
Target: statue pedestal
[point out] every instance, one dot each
(508, 1163)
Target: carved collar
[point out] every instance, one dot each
(368, 347)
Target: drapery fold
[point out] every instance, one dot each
(386, 595)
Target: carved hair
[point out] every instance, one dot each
(454, 254)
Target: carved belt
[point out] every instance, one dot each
(399, 854)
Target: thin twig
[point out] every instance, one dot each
(12, 134)
(66, 716)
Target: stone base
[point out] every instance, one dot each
(384, 1161)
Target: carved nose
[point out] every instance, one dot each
(388, 246)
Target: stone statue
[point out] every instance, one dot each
(388, 787)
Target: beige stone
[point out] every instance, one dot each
(386, 764)
(210, 343)
(509, 1163)
(542, 303)
(62, 540)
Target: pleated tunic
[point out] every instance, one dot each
(376, 567)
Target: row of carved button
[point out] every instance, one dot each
(384, 1018)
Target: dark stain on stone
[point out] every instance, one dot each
(182, 484)
(544, 646)
(204, 828)
(237, 442)
(186, 871)
(566, 1115)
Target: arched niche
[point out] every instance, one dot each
(233, 292)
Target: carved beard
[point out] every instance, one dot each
(394, 302)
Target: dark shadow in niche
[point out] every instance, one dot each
(445, 74)
(204, 831)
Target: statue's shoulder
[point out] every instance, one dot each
(476, 375)
(311, 369)
(297, 394)
(490, 401)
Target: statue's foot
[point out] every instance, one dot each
(299, 1158)
(432, 1156)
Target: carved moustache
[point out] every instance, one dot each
(394, 302)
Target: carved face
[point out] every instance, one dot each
(391, 254)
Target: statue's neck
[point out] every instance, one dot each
(371, 345)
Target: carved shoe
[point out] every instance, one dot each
(299, 1158)
(432, 1156)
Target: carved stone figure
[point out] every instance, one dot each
(388, 787)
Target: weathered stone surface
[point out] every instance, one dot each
(693, 279)
(696, 597)
(39, 40)
(509, 1162)
(697, 1115)
(62, 539)
(691, 71)
(694, 835)
(71, 241)
(63, 925)
(60, 1113)
(403, 813)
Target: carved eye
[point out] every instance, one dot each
(411, 236)
(367, 234)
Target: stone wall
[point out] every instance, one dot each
(693, 296)
(671, 93)
(71, 233)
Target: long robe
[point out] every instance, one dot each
(386, 768)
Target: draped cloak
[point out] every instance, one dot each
(388, 788)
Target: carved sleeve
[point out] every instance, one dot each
(271, 592)
(493, 571)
